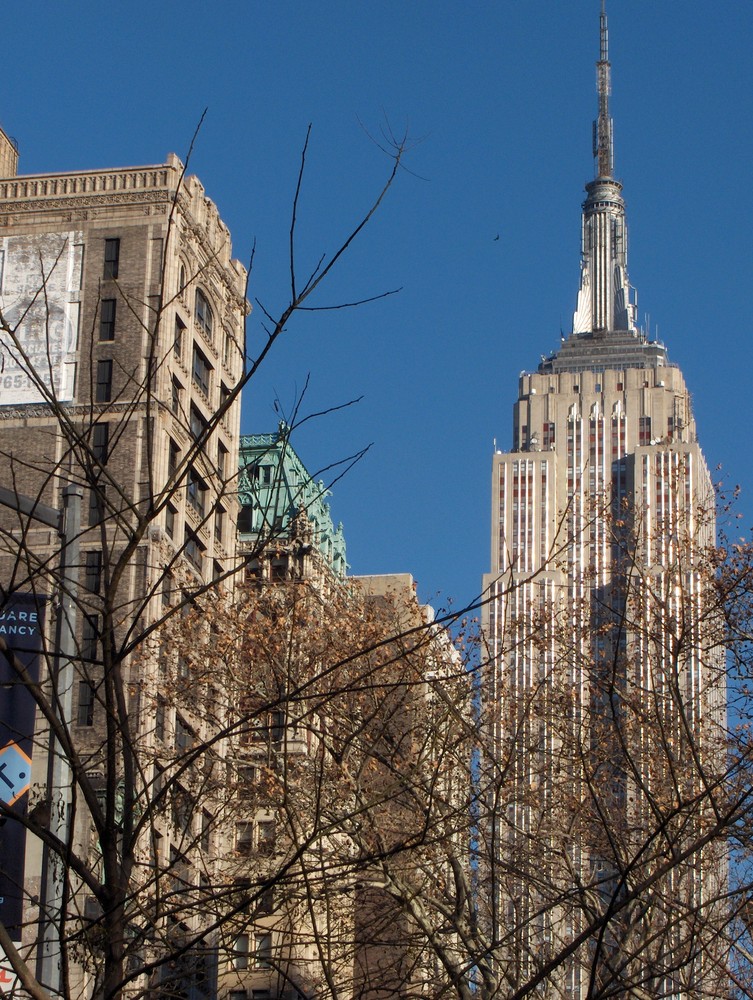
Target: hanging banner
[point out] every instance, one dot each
(21, 624)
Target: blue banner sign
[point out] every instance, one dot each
(21, 624)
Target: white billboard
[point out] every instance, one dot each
(40, 288)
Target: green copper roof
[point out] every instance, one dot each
(274, 487)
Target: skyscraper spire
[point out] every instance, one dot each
(604, 304)
(603, 141)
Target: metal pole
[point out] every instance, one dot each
(59, 772)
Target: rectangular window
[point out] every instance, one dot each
(173, 458)
(178, 338)
(644, 431)
(227, 350)
(196, 491)
(193, 550)
(101, 442)
(203, 313)
(107, 319)
(159, 719)
(198, 424)
(266, 837)
(103, 388)
(85, 713)
(93, 572)
(240, 952)
(263, 950)
(181, 808)
(202, 370)
(224, 394)
(183, 735)
(175, 400)
(90, 638)
(170, 520)
(244, 837)
(96, 506)
(206, 829)
(167, 589)
(221, 460)
(112, 258)
(219, 523)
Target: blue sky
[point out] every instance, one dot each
(497, 99)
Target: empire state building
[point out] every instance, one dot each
(604, 695)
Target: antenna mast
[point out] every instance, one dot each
(603, 147)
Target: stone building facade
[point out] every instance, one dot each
(605, 688)
(122, 345)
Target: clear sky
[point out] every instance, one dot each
(498, 99)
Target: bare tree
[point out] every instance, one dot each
(126, 365)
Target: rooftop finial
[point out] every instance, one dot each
(602, 135)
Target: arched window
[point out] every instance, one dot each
(181, 277)
(203, 313)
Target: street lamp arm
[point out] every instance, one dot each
(31, 508)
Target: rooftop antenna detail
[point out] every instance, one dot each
(603, 139)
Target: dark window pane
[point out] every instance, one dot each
(103, 389)
(204, 316)
(112, 258)
(93, 572)
(85, 714)
(100, 442)
(107, 319)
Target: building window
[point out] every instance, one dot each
(644, 431)
(198, 424)
(184, 736)
(203, 314)
(93, 572)
(167, 589)
(221, 460)
(170, 520)
(103, 388)
(182, 809)
(181, 277)
(227, 349)
(193, 550)
(85, 713)
(96, 506)
(206, 829)
(159, 719)
(90, 638)
(246, 519)
(173, 458)
(100, 442)
(178, 338)
(240, 952)
(107, 319)
(196, 491)
(112, 258)
(262, 950)
(202, 370)
(219, 523)
(175, 399)
(224, 395)
(266, 837)
(244, 837)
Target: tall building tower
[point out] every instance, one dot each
(604, 698)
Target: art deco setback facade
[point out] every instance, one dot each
(603, 680)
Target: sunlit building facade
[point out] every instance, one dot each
(604, 696)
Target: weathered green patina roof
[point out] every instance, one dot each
(275, 487)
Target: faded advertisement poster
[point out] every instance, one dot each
(21, 623)
(40, 283)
